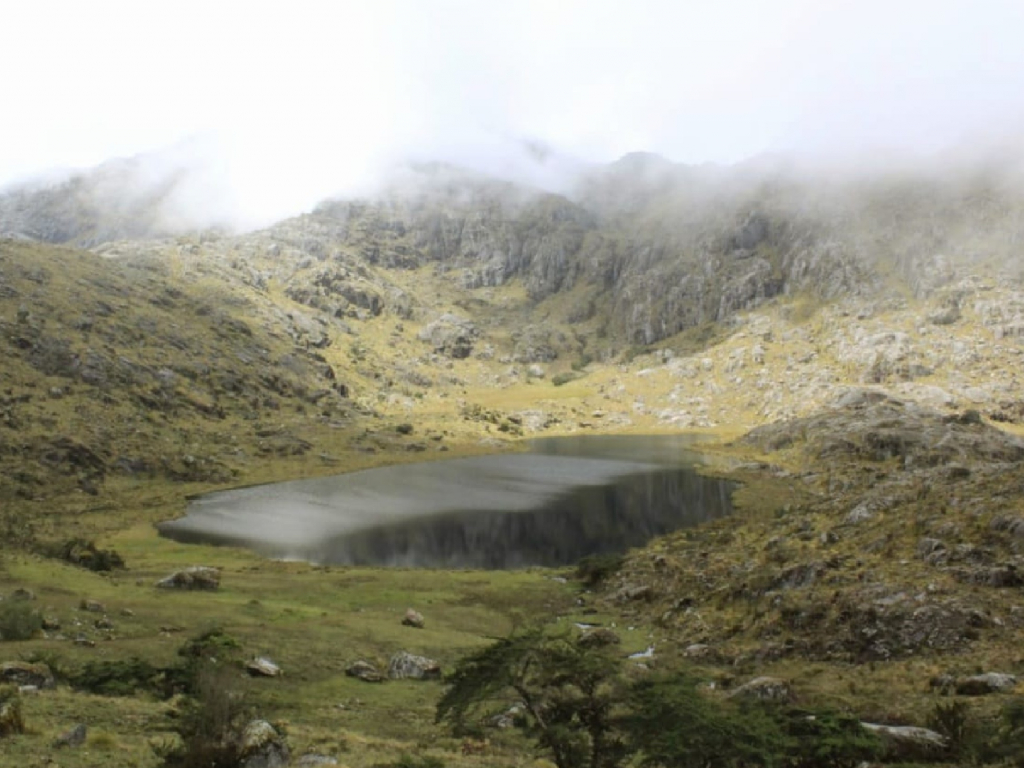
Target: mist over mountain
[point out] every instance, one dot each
(654, 246)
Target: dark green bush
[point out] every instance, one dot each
(213, 644)
(827, 740)
(564, 378)
(18, 620)
(592, 570)
(86, 554)
(116, 678)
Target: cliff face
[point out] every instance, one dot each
(644, 247)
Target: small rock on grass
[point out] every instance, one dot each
(313, 760)
(406, 665)
(764, 689)
(365, 671)
(413, 619)
(74, 737)
(261, 666)
(981, 685)
(198, 577)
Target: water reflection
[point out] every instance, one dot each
(592, 520)
(569, 498)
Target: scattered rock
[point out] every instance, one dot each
(51, 623)
(1012, 525)
(262, 746)
(103, 623)
(413, 619)
(451, 336)
(365, 671)
(23, 594)
(24, 673)
(406, 665)
(633, 592)
(945, 316)
(261, 666)
(92, 606)
(984, 684)
(907, 742)
(859, 514)
(597, 637)
(697, 651)
(197, 577)
(927, 547)
(509, 718)
(312, 760)
(75, 737)
(765, 689)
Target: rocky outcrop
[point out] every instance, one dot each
(451, 336)
(870, 425)
(984, 684)
(907, 743)
(261, 746)
(404, 665)
(25, 673)
(771, 689)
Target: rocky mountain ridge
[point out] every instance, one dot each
(648, 247)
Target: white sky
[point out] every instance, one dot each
(298, 100)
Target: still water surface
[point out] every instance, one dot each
(565, 499)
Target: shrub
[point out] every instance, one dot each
(116, 678)
(85, 554)
(213, 644)
(954, 722)
(211, 723)
(18, 620)
(1008, 741)
(592, 570)
(564, 378)
(828, 739)
(11, 721)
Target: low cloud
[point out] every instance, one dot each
(273, 109)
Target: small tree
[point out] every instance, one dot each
(19, 620)
(211, 723)
(568, 692)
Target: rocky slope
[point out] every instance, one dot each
(644, 247)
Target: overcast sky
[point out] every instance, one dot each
(293, 101)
